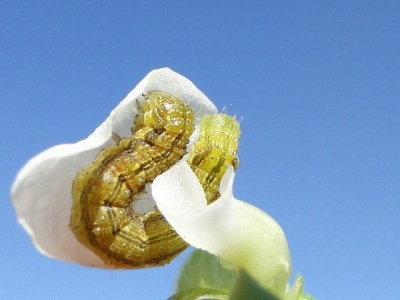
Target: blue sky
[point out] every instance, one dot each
(317, 86)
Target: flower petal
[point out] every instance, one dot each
(41, 192)
(233, 230)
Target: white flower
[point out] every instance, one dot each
(41, 192)
(235, 231)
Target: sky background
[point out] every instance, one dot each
(317, 86)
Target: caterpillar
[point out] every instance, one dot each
(214, 152)
(103, 193)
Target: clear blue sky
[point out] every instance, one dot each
(317, 86)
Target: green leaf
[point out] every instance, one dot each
(203, 270)
(200, 293)
(247, 288)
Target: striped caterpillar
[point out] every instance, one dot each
(103, 218)
(214, 152)
(102, 215)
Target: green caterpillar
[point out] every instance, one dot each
(104, 192)
(102, 214)
(215, 150)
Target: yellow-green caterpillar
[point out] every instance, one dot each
(215, 150)
(104, 192)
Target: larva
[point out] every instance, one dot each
(214, 152)
(102, 214)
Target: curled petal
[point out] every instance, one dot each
(235, 231)
(41, 192)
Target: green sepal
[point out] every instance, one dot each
(204, 270)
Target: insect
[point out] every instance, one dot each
(102, 214)
(104, 192)
(214, 152)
